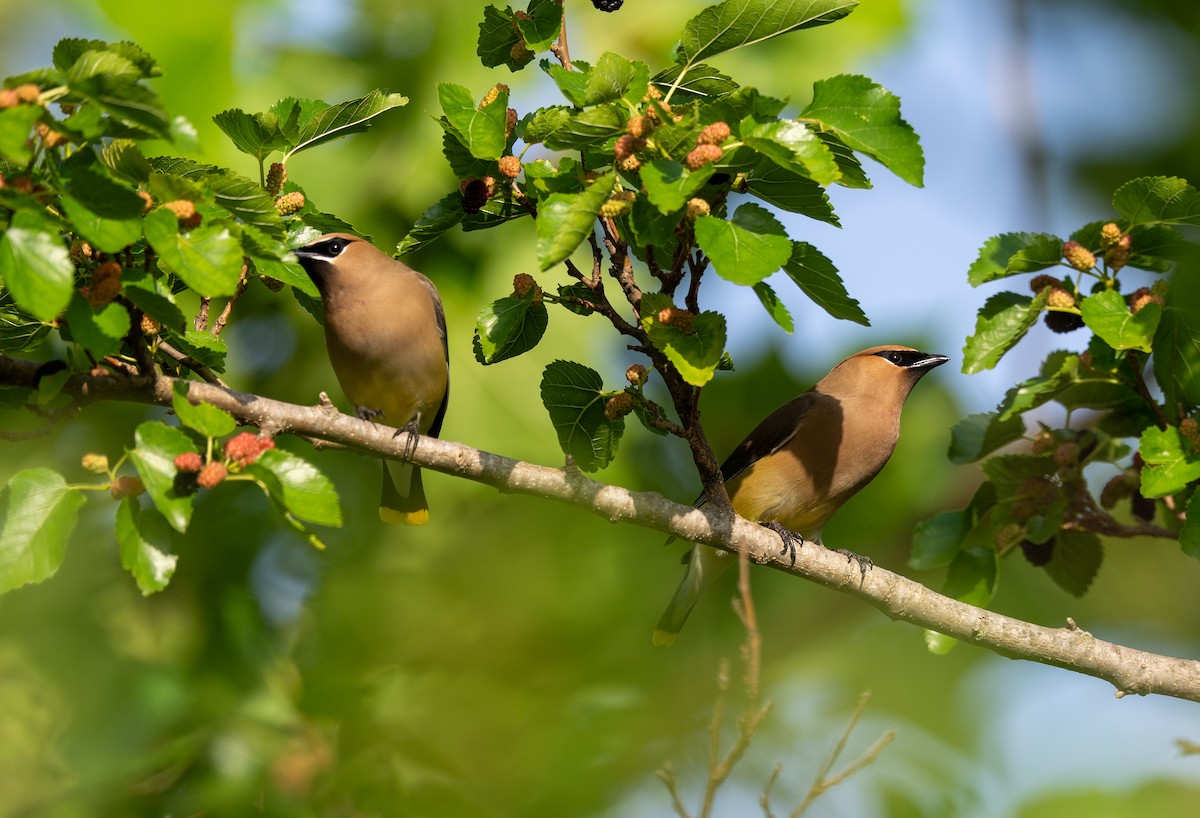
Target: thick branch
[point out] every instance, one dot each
(1127, 669)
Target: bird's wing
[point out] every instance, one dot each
(440, 316)
(769, 436)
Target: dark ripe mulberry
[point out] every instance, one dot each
(1062, 322)
(474, 195)
(1038, 553)
(1141, 507)
(608, 5)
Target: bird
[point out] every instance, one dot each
(808, 457)
(385, 332)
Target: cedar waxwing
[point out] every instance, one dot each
(808, 457)
(385, 331)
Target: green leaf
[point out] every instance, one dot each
(298, 486)
(573, 84)
(155, 449)
(1012, 253)
(1177, 342)
(696, 354)
(816, 276)
(1002, 321)
(108, 235)
(576, 290)
(497, 39)
(99, 331)
(588, 127)
(565, 220)
(613, 77)
(208, 259)
(736, 23)
(123, 99)
(978, 435)
(1075, 560)
(38, 520)
(1106, 314)
(852, 173)
(1168, 468)
(205, 418)
(971, 577)
(574, 396)
(653, 228)
(209, 350)
(1158, 199)
(936, 540)
(152, 297)
(19, 331)
(36, 266)
(669, 184)
(866, 117)
(790, 191)
(125, 161)
(1060, 379)
(259, 136)
(509, 327)
(482, 130)
(695, 82)
(16, 125)
(774, 307)
(145, 541)
(546, 121)
(439, 218)
(748, 247)
(244, 199)
(793, 146)
(541, 28)
(346, 118)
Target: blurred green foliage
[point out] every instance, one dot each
(498, 661)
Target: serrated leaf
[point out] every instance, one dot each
(936, 540)
(565, 220)
(206, 349)
(669, 184)
(696, 353)
(441, 217)
(774, 307)
(126, 101)
(793, 146)
(818, 278)
(208, 420)
(790, 191)
(866, 117)
(36, 266)
(748, 247)
(509, 327)
(298, 486)
(542, 25)
(573, 84)
(481, 130)
(695, 82)
(1158, 199)
(736, 23)
(246, 200)
(1002, 322)
(1168, 467)
(1075, 561)
(99, 331)
(40, 514)
(1177, 342)
(208, 259)
(343, 119)
(152, 297)
(107, 235)
(574, 396)
(19, 331)
(155, 449)
(546, 121)
(1012, 253)
(1107, 315)
(588, 127)
(16, 124)
(125, 161)
(497, 38)
(145, 542)
(852, 173)
(978, 435)
(613, 77)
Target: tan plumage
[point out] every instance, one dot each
(808, 457)
(385, 332)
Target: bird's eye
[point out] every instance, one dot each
(336, 247)
(896, 358)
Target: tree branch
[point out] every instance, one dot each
(1127, 669)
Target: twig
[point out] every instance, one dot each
(191, 363)
(1139, 385)
(223, 318)
(666, 774)
(200, 322)
(559, 49)
(823, 781)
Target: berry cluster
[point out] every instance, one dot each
(241, 450)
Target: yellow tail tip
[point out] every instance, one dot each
(394, 516)
(664, 639)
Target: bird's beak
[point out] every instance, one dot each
(928, 361)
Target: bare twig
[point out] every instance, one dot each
(203, 370)
(223, 318)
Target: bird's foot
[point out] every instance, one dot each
(864, 563)
(367, 413)
(791, 540)
(414, 431)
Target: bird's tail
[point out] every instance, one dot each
(403, 499)
(704, 565)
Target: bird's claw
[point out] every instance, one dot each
(367, 413)
(791, 540)
(864, 563)
(410, 445)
